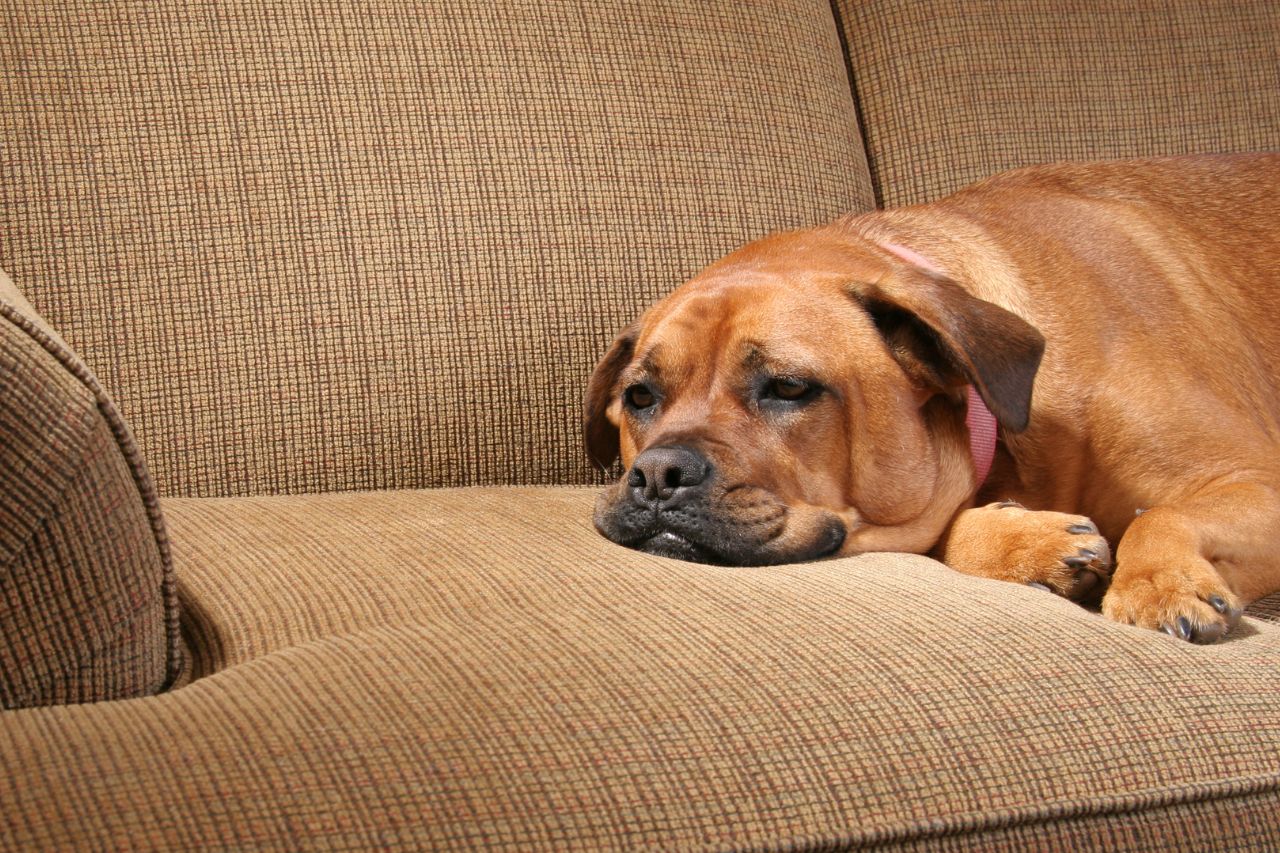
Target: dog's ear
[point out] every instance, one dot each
(943, 337)
(600, 432)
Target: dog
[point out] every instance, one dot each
(1012, 379)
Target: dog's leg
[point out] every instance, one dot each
(1189, 567)
(1005, 541)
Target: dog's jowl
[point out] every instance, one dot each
(1066, 376)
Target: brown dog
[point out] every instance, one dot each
(811, 395)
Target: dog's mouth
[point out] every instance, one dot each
(670, 544)
(702, 532)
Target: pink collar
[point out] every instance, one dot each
(979, 420)
(982, 435)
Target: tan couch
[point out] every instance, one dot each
(343, 269)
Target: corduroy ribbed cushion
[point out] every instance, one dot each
(477, 667)
(952, 91)
(314, 246)
(88, 607)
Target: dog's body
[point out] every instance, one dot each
(806, 395)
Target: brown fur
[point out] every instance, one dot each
(1142, 299)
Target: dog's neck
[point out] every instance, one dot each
(982, 435)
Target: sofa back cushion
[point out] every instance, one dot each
(952, 91)
(313, 246)
(88, 606)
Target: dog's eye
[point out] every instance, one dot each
(790, 390)
(638, 397)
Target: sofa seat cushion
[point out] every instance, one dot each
(478, 667)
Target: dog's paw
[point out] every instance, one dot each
(1189, 602)
(1063, 553)
(1059, 552)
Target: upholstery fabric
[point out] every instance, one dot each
(88, 605)
(477, 667)
(315, 246)
(1267, 608)
(951, 92)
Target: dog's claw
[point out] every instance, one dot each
(1091, 575)
(1082, 558)
(1080, 529)
(1184, 629)
(1220, 604)
(1038, 585)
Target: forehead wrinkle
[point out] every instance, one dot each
(794, 361)
(661, 361)
(646, 367)
(683, 342)
(710, 338)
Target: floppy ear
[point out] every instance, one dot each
(943, 337)
(599, 432)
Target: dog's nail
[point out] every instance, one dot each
(1082, 528)
(1232, 614)
(1181, 628)
(1038, 585)
(1082, 558)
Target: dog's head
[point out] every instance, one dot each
(801, 398)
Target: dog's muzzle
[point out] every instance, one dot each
(664, 488)
(672, 503)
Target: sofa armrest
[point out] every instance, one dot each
(10, 293)
(89, 607)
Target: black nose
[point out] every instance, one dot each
(659, 472)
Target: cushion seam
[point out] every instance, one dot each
(855, 95)
(34, 529)
(137, 467)
(78, 660)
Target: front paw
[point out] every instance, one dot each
(1189, 602)
(1070, 556)
(1062, 553)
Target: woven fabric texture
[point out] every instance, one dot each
(478, 668)
(314, 246)
(951, 92)
(1267, 609)
(88, 604)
